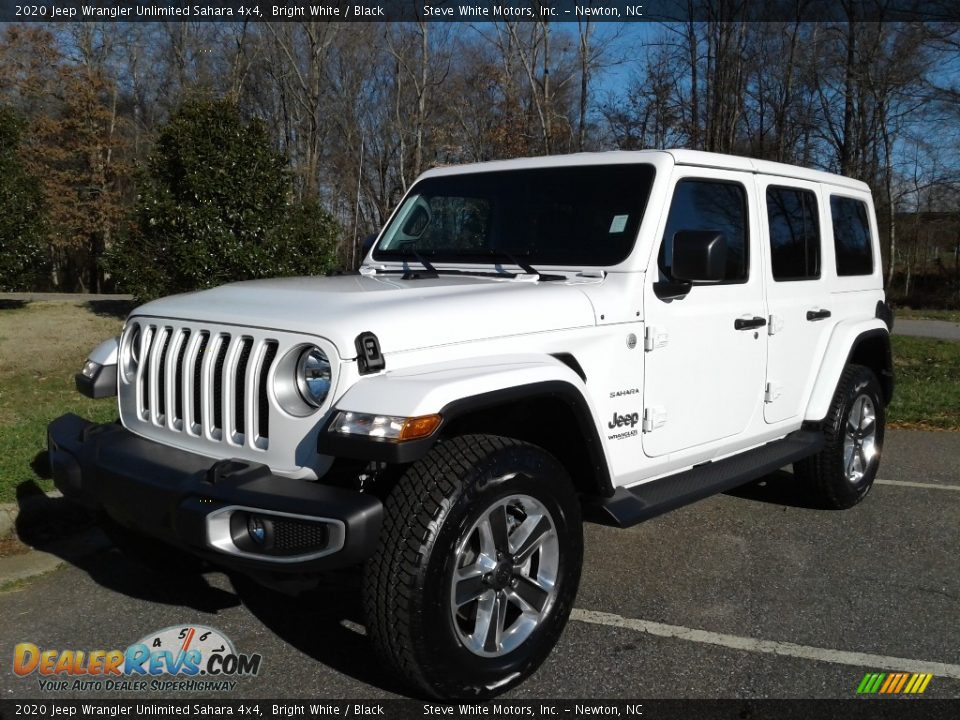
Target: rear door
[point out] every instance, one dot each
(800, 317)
(705, 351)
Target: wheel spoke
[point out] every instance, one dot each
(862, 458)
(481, 627)
(866, 425)
(498, 526)
(488, 546)
(470, 587)
(530, 595)
(528, 537)
(853, 419)
(850, 460)
(498, 616)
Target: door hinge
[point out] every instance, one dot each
(654, 338)
(772, 392)
(653, 418)
(775, 325)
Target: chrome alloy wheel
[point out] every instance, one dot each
(860, 439)
(503, 583)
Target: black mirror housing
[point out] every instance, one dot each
(699, 256)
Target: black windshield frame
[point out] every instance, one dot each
(564, 216)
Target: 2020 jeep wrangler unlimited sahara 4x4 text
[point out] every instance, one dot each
(528, 343)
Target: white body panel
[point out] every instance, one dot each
(701, 382)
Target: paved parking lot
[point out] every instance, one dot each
(747, 595)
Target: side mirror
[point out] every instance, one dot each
(699, 256)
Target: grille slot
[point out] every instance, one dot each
(263, 404)
(197, 415)
(162, 375)
(218, 383)
(205, 383)
(178, 377)
(239, 385)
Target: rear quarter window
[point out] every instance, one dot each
(851, 236)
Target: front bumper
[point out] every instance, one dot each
(203, 506)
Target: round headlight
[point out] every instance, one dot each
(313, 376)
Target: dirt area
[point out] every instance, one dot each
(41, 337)
(12, 546)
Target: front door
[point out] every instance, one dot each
(705, 350)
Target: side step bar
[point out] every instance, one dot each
(630, 506)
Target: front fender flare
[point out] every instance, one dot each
(454, 389)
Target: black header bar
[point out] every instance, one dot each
(477, 10)
(927, 709)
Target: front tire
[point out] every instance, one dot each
(842, 473)
(477, 567)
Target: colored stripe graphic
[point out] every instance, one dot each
(894, 683)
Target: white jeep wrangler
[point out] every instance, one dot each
(528, 343)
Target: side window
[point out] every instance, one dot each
(794, 233)
(709, 205)
(851, 236)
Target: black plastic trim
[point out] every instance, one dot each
(362, 448)
(369, 357)
(357, 447)
(749, 324)
(101, 385)
(167, 493)
(571, 362)
(885, 312)
(887, 379)
(629, 506)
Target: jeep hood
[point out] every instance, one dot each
(404, 314)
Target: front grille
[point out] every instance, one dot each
(205, 383)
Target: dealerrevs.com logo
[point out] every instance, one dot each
(179, 658)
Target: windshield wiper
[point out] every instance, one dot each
(524, 265)
(411, 251)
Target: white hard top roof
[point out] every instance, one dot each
(696, 158)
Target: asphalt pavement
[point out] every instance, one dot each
(751, 594)
(939, 329)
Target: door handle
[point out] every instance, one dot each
(749, 323)
(817, 315)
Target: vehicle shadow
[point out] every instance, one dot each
(777, 488)
(8, 304)
(62, 528)
(327, 624)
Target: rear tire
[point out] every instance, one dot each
(477, 567)
(842, 473)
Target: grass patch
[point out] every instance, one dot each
(927, 393)
(42, 345)
(910, 314)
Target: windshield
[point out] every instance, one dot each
(564, 216)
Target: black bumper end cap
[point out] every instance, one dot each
(101, 385)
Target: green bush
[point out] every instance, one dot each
(23, 257)
(214, 208)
